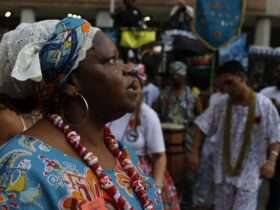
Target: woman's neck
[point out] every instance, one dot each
(91, 133)
(88, 125)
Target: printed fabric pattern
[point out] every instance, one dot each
(34, 175)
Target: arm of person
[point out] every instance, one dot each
(158, 168)
(205, 125)
(268, 168)
(273, 134)
(273, 153)
(194, 156)
(154, 143)
(274, 150)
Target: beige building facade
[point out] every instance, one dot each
(261, 23)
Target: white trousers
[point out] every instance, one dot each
(228, 197)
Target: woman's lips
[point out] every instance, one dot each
(132, 88)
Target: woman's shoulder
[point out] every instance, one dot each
(148, 112)
(51, 136)
(19, 144)
(149, 117)
(45, 131)
(20, 148)
(10, 144)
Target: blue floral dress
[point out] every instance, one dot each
(34, 175)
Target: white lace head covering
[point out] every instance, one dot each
(20, 60)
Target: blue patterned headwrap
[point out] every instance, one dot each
(47, 50)
(61, 54)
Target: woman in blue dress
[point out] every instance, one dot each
(69, 160)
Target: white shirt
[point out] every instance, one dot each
(271, 92)
(151, 93)
(265, 132)
(145, 139)
(216, 97)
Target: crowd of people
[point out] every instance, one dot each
(82, 128)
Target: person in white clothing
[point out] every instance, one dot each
(142, 131)
(247, 132)
(146, 138)
(150, 90)
(151, 93)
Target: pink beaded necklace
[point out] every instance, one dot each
(105, 181)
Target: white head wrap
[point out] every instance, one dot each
(14, 47)
(19, 56)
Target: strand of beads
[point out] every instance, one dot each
(129, 168)
(91, 160)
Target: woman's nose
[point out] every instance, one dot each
(127, 69)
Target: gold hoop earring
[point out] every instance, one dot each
(85, 104)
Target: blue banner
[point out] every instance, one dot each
(217, 22)
(237, 50)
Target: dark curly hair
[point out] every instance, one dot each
(232, 67)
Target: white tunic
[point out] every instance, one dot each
(266, 130)
(147, 139)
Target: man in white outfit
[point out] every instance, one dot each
(247, 132)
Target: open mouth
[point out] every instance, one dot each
(132, 87)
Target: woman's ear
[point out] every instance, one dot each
(71, 90)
